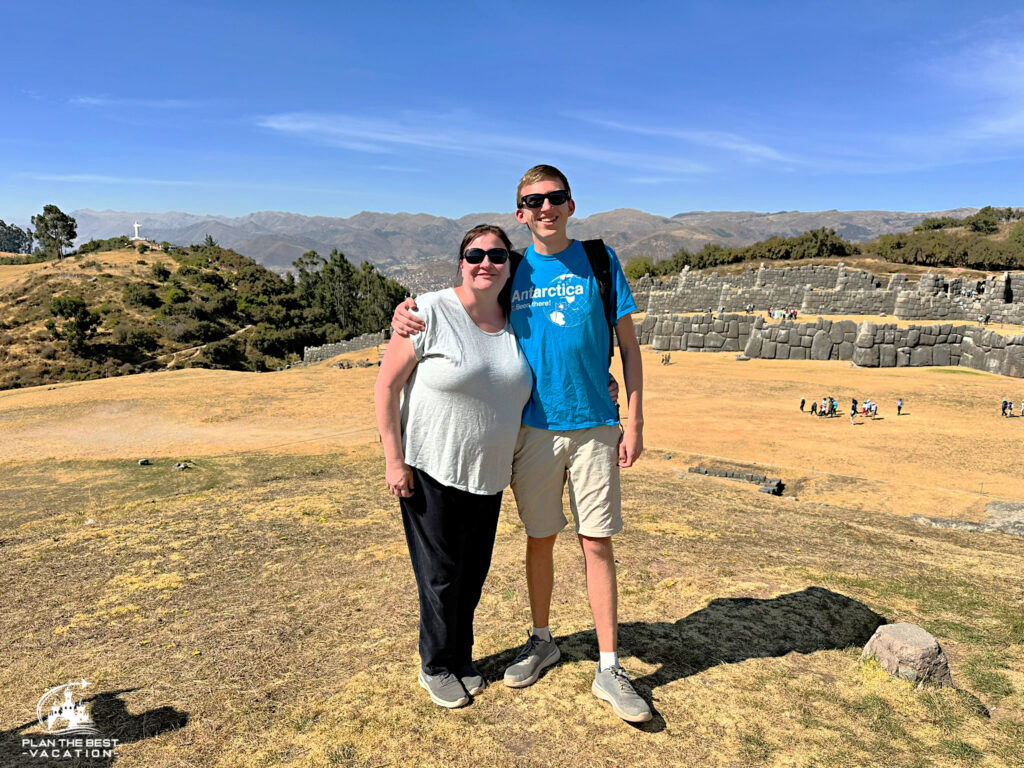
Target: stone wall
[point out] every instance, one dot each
(885, 345)
(327, 351)
(697, 333)
(838, 291)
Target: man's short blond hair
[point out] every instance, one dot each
(541, 173)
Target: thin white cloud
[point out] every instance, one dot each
(729, 142)
(106, 101)
(448, 135)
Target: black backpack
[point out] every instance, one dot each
(601, 266)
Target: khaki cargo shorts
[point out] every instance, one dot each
(588, 459)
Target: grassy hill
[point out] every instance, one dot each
(259, 609)
(117, 312)
(154, 311)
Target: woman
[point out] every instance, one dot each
(448, 450)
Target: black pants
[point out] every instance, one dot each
(450, 535)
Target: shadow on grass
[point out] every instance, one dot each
(728, 630)
(112, 721)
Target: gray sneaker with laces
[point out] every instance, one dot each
(531, 661)
(445, 689)
(471, 679)
(613, 685)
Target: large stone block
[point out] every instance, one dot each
(921, 355)
(866, 335)
(753, 347)
(782, 351)
(1013, 362)
(694, 341)
(768, 349)
(909, 652)
(806, 341)
(836, 333)
(821, 345)
(714, 340)
(845, 350)
(941, 354)
(797, 353)
(866, 357)
(887, 356)
(913, 337)
(783, 337)
(661, 343)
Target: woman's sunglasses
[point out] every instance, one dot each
(476, 255)
(557, 197)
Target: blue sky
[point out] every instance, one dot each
(334, 108)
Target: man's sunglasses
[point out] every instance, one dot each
(558, 197)
(476, 255)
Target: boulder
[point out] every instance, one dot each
(714, 340)
(753, 348)
(907, 651)
(846, 350)
(866, 357)
(921, 356)
(821, 345)
(941, 354)
(887, 356)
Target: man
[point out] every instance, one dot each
(570, 426)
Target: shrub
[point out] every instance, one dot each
(133, 336)
(188, 330)
(174, 295)
(141, 295)
(160, 271)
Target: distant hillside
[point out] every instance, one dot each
(396, 242)
(119, 312)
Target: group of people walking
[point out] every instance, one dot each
(778, 313)
(506, 381)
(1008, 408)
(828, 407)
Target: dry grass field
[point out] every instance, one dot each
(259, 609)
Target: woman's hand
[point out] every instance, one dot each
(398, 476)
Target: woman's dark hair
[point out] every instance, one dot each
(505, 297)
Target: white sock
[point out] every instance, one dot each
(544, 633)
(608, 659)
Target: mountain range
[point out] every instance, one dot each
(417, 249)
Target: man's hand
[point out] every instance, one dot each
(613, 389)
(631, 445)
(398, 476)
(404, 322)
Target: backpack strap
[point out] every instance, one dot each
(601, 266)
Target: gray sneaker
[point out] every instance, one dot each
(531, 661)
(445, 689)
(612, 685)
(471, 679)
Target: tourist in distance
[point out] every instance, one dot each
(899, 406)
(570, 426)
(446, 471)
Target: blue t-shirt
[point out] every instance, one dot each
(559, 321)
